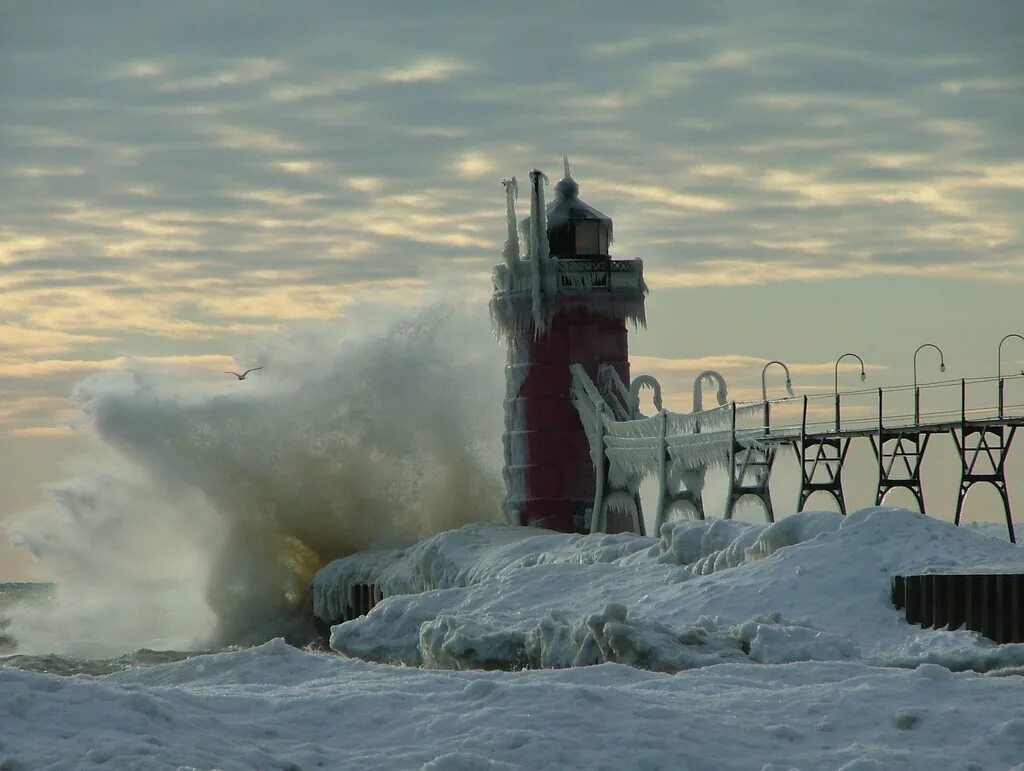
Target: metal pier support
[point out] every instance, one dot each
(983, 449)
(899, 453)
(750, 469)
(821, 463)
(692, 495)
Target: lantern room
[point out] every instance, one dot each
(576, 230)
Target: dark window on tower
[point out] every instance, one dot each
(588, 237)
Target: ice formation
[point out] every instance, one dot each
(709, 377)
(511, 250)
(645, 381)
(676, 448)
(529, 293)
(812, 586)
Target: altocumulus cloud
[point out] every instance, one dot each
(177, 177)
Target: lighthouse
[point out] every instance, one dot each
(565, 301)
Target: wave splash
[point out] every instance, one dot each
(205, 507)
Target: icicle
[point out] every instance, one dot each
(710, 377)
(539, 247)
(644, 381)
(511, 252)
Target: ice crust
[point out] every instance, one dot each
(813, 586)
(277, 707)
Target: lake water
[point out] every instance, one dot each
(12, 594)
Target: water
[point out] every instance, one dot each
(205, 504)
(12, 594)
(53, 664)
(41, 595)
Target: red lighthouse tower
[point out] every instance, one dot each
(566, 302)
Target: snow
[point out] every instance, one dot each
(813, 586)
(276, 707)
(716, 645)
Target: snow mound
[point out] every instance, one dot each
(460, 558)
(813, 586)
(770, 640)
(690, 541)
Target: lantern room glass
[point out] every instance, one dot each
(591, 238)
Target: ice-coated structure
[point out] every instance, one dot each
(566, 302)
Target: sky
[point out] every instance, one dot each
(800, 179)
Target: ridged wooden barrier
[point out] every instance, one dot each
(364, 598)
(989, 603)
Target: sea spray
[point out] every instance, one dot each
(205, 506)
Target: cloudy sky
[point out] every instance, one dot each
(801, 179)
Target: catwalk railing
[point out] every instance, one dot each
(744, 439)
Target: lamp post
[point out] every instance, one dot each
(917, 391)
(863, 377)
(764, 387)
(764, 383)
(999, 370)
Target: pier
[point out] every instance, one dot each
(745, 439)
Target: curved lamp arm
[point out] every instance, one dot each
(942, 359)
(863, 375)
(710, 377)
(645, 381)
(764, 382)
(999, 372)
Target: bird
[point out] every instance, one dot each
(243, 375)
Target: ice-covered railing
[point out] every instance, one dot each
(676, 448)
(937, 403)
(529, 292)
(612, 287)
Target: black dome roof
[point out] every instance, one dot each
(564, 212)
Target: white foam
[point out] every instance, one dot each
(206, 505)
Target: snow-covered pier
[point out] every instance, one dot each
(743, 438)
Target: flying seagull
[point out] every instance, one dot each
(242, 376)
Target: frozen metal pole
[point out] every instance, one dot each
(863, 377)
(999, 367)
(917, 391)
